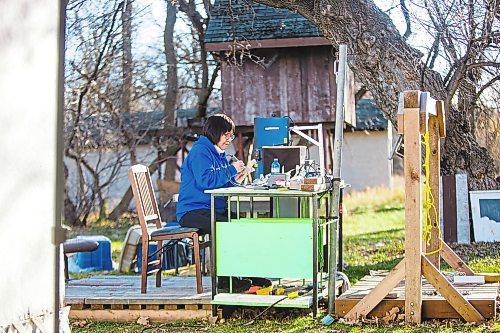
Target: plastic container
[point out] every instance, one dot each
(98, 260)
(275, 167)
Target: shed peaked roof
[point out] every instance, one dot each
(244, 20)
(369, 116)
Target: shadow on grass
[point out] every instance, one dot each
(394, 234)
(388, 209)
(356, 272)
(377, 209)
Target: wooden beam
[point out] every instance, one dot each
(411, 99)
(413, 212)
(454, 260)
(434, 171)
(132, 315)
(377, 294)
(453, 296)
(490, 277)
(449, 231)
(267, 43)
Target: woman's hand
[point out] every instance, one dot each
(239, 165)
(240, 177)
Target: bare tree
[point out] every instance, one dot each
(199, 22)
(171, 62)
(105, 86)
(100, 138)
(80, 135)
(127, 61)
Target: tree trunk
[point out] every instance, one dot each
(386, 65)
(172, 145)
(70, 214)
(171, 59)
(127, 56)
(122, 206)
(461, 152)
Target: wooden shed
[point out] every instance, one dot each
(287, 67)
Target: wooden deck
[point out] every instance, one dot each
(119, 298)
(434, 306)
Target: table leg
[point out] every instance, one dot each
(251, 208)
(315, 254)
(212, 253)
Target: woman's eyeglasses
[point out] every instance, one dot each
(229, 136)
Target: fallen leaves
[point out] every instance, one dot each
(143, 321)
(390, 316)
(80, 323)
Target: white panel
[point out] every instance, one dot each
(462, 194)
(364, 159)
(28, 128)
(486, 215)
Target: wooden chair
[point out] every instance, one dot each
(147, 210)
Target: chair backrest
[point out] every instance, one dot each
(144, 197)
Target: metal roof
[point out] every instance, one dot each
(246, 20)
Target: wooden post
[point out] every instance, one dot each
(241, 153)
(434, 171)
(413, 207)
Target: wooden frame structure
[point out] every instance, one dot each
(417, 114)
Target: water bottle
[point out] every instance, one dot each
(275, 167)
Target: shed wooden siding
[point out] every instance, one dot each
(300, 83)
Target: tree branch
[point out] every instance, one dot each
(406, 15)
(487, 85)
(484, 64)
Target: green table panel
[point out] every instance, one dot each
(271, 249)
(276, 220)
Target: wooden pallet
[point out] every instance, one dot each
(115, 297)
(434, 306)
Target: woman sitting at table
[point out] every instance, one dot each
(206, 168)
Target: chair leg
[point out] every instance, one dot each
(144, 267)
(66, 273)
(160, 250)
(176, 253)
(203, 264)
(196, 255)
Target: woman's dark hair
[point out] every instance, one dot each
(216, 125)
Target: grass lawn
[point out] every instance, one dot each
(373, 240)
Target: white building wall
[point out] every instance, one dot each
(365, 159)
(28, 155)
(114, 192)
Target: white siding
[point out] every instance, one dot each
(365, 159)
(28, 137)
(114, 192)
